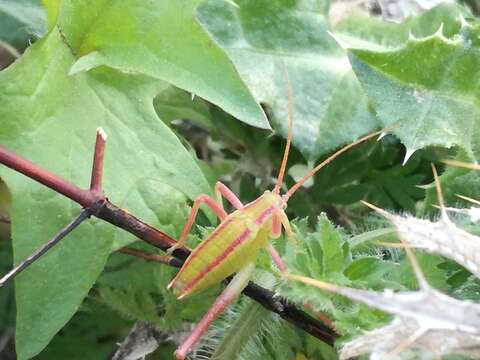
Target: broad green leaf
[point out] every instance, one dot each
(425, 90)
(262, 37)
(91, 334)
(50, 118)
(161, 39)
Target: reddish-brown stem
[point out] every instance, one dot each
(97, 168)
(83, 197)
(162, 259)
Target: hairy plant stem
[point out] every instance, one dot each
(126, 221)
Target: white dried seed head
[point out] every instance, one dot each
(441, 237)
(381, 342)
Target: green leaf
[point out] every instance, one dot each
(262, 38)
(332, 249)
(424, 89)
(319, 253)
(50, 118)
(454, 181)
(132, 304)
(378, 274)
(91, 334)
(161, 39)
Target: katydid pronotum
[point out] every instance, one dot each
(233, 246)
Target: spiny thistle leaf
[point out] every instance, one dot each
(423, 89)
(442, 237)
(426, 310)
(371, 32)
(382, 341)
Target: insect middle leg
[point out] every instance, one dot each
(231, 292)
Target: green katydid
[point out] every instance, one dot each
(234, 244)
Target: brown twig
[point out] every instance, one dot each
(162, 259)
(84, 215)
(124, 220)
(97, 168)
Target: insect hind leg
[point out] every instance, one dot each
(231, 292)
(222, 191)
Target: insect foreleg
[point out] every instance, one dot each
(202, 199)
(231, 292)
(221, 190)
(275, 234)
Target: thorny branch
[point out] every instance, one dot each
(95, 203)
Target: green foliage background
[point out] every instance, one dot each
(191, 92)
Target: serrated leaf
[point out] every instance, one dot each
(50, 118)
(363, 31)
(423, 89)
(331, 245)
(319, 253)
(262, 38)
(161, 39)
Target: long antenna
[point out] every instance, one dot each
(462, 164)
(438, 187)
(283, 166)
(302, 181)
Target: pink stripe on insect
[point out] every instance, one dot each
(243, 236)
(204, 243)
(265, 214)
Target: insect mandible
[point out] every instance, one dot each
(233, 246)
